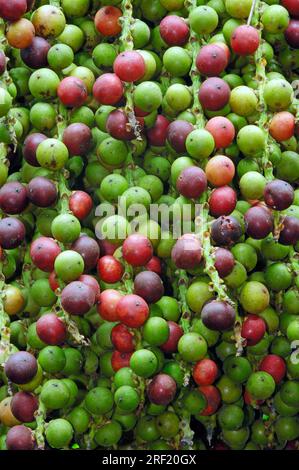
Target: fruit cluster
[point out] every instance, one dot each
(119, 328)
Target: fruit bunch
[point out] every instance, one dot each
(149, 227)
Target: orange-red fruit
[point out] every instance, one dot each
(222, 130)
(20, 34)
(282, 126)
(107, 303)
(205, 372)
(220, 170)
(213, 398)
(107, 21)
(245, 40)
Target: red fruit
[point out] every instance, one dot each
(174, 30)
(214, 94)
(129, 66)
(161, 390)
(222, 130)
(106, 247)
(120, 360)
(12, 10)
(118, 125)
(89, 249)
(41, 191)
(211, 60)
(289, 234)
(80, 203)
(222, 201)
(107, 304)
(110, 270)
(205, 372)
(78, 138)
(108, 89)
(175, 333)
(253, 329)
(278, 194)
(72, 92)
(224, 262)
(2, 62)
(107, 21)
(250, 401)
(187, 252)
(20, 437)
(77, 298)
(292, 6)
(43, 252)
(30, 145)
(149, 286)
(282, 126)
(132, 310)
(51, 329)
(122, 339)
(53, 281)
(220, 170)
(157, 134)
(137, 250)
(292, 34)
(154, 265)
(91, 282)
(259, 222)
(275, 366)
(177, 133)
(192, 182)
(213, 398)
(23, 406)
(245, 40)
(13, 197)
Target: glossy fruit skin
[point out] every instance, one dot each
(41, 191)
(275, 366)
(245, 40)
(222, 201)
(259, 222)
(214, 94)
(78, 138)
(77, 298)
(205, 372)
(20, 438)
(122, 339)
(89, 249)
(132, 310)
(21, 367)
(192, 182)
(222, 131)
(108, 89)
(278, 195)
(161, 390)
(175, 333)
(220, 170)
(137, 250)
(187, 252)
(106, 21)
(129, 66)
(12, 233)
(177, 133)
(211, 60)
(107, 304)
(289, 234)
(117, 125)
(23, 406)
(110, 269)
(20, 34)
(13, 197)
(120, 360)
(72, 92)
(80, 203)
(12, 11)
(213, 398)
(158, 133)
(149, 286)
(174, 31)
(282, 126)
(43, 252)
(292, 34)
(35, 56)
(224, 262)
(51, 329)
(253, 329)
(292, 7)
(218, 315)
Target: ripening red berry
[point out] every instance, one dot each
(51, 329)
(129, 66)
(132, 310)
(213, 398)
(275, 366)
(174, 30)
(157, 134)
(222, 201)
(107, 304)
(205, 372)
(80, 203)
(292, 6)
(12, 10)
(72, 92)
(211, 60)
(137, 250)
(122, 338)
(292, 34)
(43, 252)
(110, 269)
(253, 329)
(107, 21)
(91, 282)
(108, 89)
(120, 360)
(282, 126)
(175, 333)
(245, 40)
(154, 265)
(214, 94)
(222, 130)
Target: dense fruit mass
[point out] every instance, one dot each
(149, 226)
